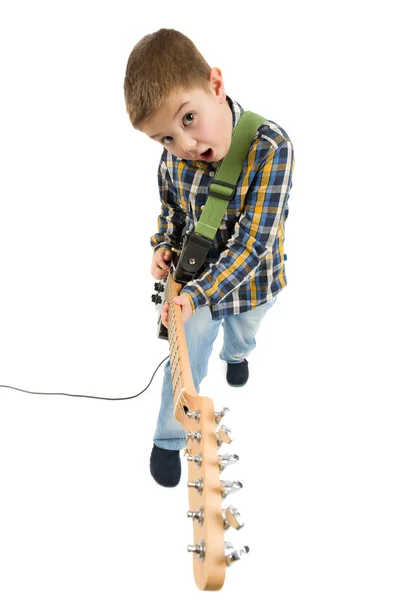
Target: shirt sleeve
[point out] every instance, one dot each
(172, 217)
(255, 232)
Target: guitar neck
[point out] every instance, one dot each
(181, 372)
(196, 414)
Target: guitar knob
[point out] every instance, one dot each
(219, 415)
(197, 515)
(197, 485)
(227, 487)
(193, 415)
(234, 555)
(156, 298)
(224, 435)
(197, 459)
(194, 436)
(225, 460)
(199, 549)
(232, 518)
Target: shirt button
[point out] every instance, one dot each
(211, 173)
(202, 207)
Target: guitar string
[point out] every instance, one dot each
(173, 314)
(176, 357)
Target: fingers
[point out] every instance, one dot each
(164, 314)
(160, 267)
(158, 273)
(162, 258)
(167, 256)
(164, 267)
(186, 311)
(161, 262)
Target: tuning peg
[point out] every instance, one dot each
(227, 487)
(194, 436)
(219, 415)
(232, 518)
(197, 485)
(197, 515)
(226, 459)
(235, 555)
(197, 459)
(193, 415)
(224, 435)
(156, 298)
(159, 287)
(199, 549)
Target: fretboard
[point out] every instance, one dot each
(182, 380)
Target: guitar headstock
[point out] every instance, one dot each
(211, 554)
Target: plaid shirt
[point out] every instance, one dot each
(245, 264)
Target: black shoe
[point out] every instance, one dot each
(165, 466)
(237, 374)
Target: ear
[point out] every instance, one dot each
(217, 84)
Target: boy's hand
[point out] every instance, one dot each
(159, 266)
(184, 302)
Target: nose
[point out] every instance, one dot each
(188, 144)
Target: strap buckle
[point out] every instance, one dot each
(194, 251)
(230, 192)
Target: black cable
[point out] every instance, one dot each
(81, 396)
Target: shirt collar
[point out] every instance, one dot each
(237, 111)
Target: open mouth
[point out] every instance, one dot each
(207, 155)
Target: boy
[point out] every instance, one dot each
(173, 96)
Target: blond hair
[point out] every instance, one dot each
(161, 63)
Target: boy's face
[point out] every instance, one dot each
(192, 124)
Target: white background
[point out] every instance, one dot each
(317, 426)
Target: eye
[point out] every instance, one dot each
(166, 140)
(188, 118)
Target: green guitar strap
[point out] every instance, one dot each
(223, 188)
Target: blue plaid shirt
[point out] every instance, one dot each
(245, 265)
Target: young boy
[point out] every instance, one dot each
(177, 99)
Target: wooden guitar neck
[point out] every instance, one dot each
(206, 490)
(180, 365)
(196, 413)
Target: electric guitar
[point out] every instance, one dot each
(211, 554)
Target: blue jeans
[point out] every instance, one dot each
(201, 331)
